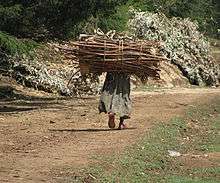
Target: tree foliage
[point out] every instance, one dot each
(205, 12)
(49, 19)
(11, 46)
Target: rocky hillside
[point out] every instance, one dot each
(188, 50)
(184, 45)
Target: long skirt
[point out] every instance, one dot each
(115, 95)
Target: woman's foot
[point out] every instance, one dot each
(122, 125)
(111, 120)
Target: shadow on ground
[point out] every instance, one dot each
(89, 130)
(13, 101)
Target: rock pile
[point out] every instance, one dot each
(183, 44)
(33, 73)
(47, 71)
(84, 85)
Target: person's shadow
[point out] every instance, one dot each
(90, 130)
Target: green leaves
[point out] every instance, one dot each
(12, 46)
(41, 20)
(49, 19)
(205, 12)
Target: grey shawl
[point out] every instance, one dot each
(115, 95)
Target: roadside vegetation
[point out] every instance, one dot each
(194, 139)
(26, 25)
(11, 45)
(58, 19)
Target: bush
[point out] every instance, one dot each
(117, 21)
(205, 12)
(43, 19)
(11, 45)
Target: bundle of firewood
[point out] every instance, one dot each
(98, 54)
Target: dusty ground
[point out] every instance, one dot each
(43, 139)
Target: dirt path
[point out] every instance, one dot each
(42, 140)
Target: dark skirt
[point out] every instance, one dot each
(115, 95)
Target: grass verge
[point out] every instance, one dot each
(196, 136)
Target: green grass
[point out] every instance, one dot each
(12, 45)
(148, 161)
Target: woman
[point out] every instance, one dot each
(115, 98)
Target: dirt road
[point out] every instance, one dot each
(45, 139)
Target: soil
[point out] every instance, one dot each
(43, 139)
(201, 160)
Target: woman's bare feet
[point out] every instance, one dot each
(122, 125)
(111, 120)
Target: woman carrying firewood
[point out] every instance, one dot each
(112, 54)
(115, 98)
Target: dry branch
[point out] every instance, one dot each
(101, 54)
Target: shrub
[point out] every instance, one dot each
(12, 45)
